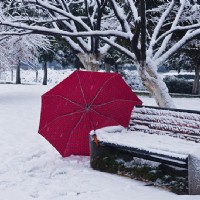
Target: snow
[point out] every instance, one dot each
(181, 103)
(158, 27)
(194, 172)
(29, 76)
(188, 123)
(159, 144)
(30, 168)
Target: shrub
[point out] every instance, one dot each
(178, 85)
(133, 80)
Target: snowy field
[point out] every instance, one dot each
(30, 168)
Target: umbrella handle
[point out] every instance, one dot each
(95, 140)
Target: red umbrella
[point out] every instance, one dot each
(83, 102)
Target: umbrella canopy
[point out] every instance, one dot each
(83, 102)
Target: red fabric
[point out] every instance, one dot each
(83, 102)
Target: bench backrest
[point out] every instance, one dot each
(184, 124)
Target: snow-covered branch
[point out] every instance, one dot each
(168, 37)
(11, 33)
(177, 28)
(55, 31)
(120, 48)
(158, 27)
(177, 46)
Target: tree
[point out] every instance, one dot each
(65, 17)
(45, 56)
(150, 38)
(63, 54)
(188, 58)
(16, 49)
(166, 21)
(193, 52)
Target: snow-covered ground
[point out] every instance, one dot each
(29, 76)
(55, 76)
(30, 168)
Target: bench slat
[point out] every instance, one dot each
(166, 127)
(176, 123)
(166, 120)
(181, 114)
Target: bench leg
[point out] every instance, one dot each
(194, 174)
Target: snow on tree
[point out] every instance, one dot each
(57, 17)
(188, 59)
(17, 45)
(150, 27)
(152, 37)
(16, 49)
(194, 52)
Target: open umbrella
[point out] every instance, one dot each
(83, 102)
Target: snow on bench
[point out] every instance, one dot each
(177, 123)
(167, 136)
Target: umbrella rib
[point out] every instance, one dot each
(91, 121)
(79, 111)
(104, 115)
(125, 100)
(73, 130)
(81, 88)
(65, 99)
(100, 89)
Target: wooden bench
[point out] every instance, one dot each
(168, 137)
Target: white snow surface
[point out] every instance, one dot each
(30, 168)
(159, 144)
(29, 76)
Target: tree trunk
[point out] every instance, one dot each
(45, 74)
(156, 86)
(196, 84)
(90, 61)
(36, 73)
(107, 67)
(18, 78)
(11, 74)
(147, 71)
